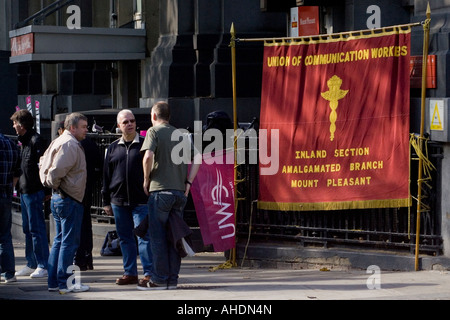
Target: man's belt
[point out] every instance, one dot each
(64, 194)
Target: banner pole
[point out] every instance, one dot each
(233, 76)
(426, 34)
(333, 35)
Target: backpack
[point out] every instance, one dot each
(218, 120)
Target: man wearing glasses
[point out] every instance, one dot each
(124, 197)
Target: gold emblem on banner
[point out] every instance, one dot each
(333, 95)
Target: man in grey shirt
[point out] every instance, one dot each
(168, 182)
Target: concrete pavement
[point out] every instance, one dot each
(198, 283)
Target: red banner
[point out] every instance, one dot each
(341, 106)
(213, 195)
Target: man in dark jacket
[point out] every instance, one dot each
(124, 197)
(31, 196)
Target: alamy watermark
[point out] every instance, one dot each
(253, 154)
(74, 20)
(74, 281)
(374, 20)
(374, 281)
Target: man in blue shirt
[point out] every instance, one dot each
(9, 174)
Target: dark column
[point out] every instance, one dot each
(192, 58)
(171, 72)
(8, 92)
(249, 22)
(208, 32)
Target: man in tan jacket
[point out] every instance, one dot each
(63, 168)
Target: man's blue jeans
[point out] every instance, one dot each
(68, 215)
(127, 218)
(7, 262)
(166, 260)
(33, 226)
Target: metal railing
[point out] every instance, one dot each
(97, 213)
(16, 197)
(39, 16)
(386, 228)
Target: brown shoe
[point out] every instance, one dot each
(127, 280)
(144, 280)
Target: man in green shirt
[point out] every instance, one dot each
(167, 181)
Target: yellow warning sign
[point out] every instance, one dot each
(437, 112)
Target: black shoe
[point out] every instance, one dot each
(83, 268)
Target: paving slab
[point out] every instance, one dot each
(197, 282)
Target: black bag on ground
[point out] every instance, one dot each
(111, 245)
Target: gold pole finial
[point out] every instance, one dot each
(428, 11)
(233, 36)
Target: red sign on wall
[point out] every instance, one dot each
(22, 45)
(308, 18)
(415, 72)
(304, 21)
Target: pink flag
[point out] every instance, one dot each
(213, 195)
